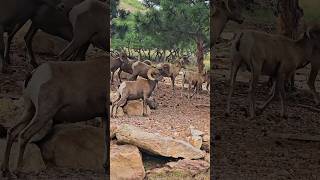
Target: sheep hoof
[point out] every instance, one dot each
(19, 174)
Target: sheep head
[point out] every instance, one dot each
(154, 74)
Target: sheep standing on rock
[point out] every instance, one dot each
(139, 89)
(59, 92)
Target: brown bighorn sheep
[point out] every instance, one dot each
(279, 60)
(194, 81)
(90, 24)
(115, 63)
(126, 65)
(174, 70)
(139, 89)
(59, 92)
(223, 11)
(140, 69)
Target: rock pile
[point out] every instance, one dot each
(191, 165)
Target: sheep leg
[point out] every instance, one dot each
(311, 80)
(252, 91)
(113, 104)
(13, 133)
(2, 47)
(28, 40)
(112, 74)
(121, 102)
(80, 55)
(133, 77)
(182, 88)
(172, 82)
(271, 97)
(282, 94)
(233, 76)
(119, 75)
(9, 40)
(40, 119)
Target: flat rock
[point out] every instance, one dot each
(75, 146)
(157, 144)
(126, 163)
(135, 108)
(183, 169)
(32, 159)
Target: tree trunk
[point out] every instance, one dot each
(200, 54)
(288, 15)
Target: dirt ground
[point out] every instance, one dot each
(258, 148)
(175, 114)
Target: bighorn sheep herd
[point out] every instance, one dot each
(150, 74)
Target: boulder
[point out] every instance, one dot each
(195, 132)
(183, 169)
(120, 112)
(126, 163)
(135, 108)
(113, 130)
(195, 141)
(74, 146)
(32, 159)
(157, 144)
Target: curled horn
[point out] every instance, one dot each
(226, 2)
(149, 74)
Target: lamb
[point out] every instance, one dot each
(139, 89)
(272, 55)
(174, 70)
(60, 92)
(194, 80)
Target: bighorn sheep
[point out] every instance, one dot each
(90, 22)
(223, 11)
(272, 55)
(140, 69)
(139, 89)
(126, 66)
(59, 92)
(174, 70)
(115, 63)
(194, 81)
